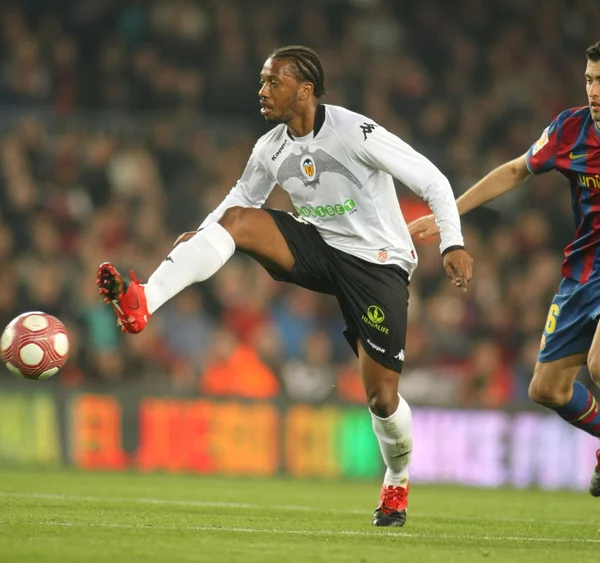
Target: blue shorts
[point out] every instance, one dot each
(572, 320)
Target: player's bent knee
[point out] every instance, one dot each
(236, 220)
(383, 402)
(547, 395)
(539, 395)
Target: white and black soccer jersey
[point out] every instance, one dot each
(340, 181)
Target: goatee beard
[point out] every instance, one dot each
(273, 121)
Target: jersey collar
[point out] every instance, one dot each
(319, 120)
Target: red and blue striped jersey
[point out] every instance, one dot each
(571, 146)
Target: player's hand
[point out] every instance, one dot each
(425, 227)
(184, 236)
(459, 267)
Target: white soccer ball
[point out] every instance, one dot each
(34, 345)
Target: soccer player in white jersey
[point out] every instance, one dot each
(348, 239)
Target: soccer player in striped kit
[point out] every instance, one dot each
(571, 338)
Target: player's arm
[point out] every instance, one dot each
(382, 150)
(503, 179)
(540, 158)
(499, 181)
(251, 190)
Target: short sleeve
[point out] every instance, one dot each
(541, 156)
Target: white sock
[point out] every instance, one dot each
(395, 441)
(189, 262)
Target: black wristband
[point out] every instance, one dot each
(452, 248)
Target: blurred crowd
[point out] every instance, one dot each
(123, 123)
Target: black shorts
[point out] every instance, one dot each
(373, 297)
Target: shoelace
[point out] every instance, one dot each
(392, 498)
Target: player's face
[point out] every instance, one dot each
(592, 79)
(278, 92)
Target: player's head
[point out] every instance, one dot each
(292, 78)
(592, 79)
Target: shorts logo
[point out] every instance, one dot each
(375, 347)
(374, 317)
(299, 219)
(399, 356)
(543, 342)
(382, 255)
(375, 314)
(308, 168)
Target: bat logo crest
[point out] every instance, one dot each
(309, 167)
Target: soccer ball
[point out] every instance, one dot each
(34, 345)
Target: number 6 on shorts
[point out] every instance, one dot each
(552, 317)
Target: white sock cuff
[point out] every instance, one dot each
(396, 421)
(218, 237)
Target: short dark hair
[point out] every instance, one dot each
(306, 64)
(593, 52)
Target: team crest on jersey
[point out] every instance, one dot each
(541, 142)
(308, 167)
(382, 255)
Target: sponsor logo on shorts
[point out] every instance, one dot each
(326, 211)
(543, 342)
(375, 347)
(375, 314)
(374, 317)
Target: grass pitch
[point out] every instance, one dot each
(69, 516)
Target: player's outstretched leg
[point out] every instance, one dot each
(126, 296)
(195, 258)
(192, 261)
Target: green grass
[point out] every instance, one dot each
(69, 516)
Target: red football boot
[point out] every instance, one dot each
(393, 503)
(127, 298)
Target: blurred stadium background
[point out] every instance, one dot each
(123, 123)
